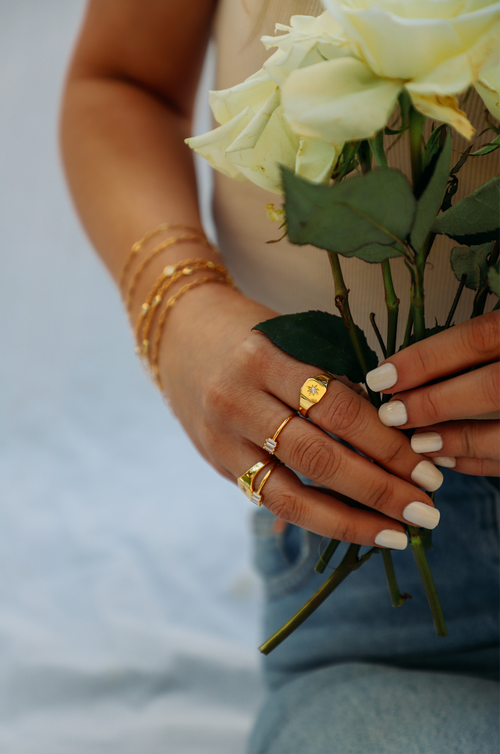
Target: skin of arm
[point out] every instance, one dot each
(127, 108)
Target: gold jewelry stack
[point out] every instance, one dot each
(150, 323)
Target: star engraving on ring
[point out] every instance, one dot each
(312, 390)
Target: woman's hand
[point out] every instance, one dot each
(467, 355)
(231, 388)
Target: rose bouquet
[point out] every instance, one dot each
(325, 107)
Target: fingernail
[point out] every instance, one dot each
(396, 540)
(426, 442)
(427, 476)
(422, 515)
(393, 414)
(382, 377)
(447, 461)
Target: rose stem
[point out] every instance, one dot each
(327, 555)
(409, 325)
(342, 304)
(425, 575)
(397, 598)
(379, 336)
(482, 294)
(455, 301)
(417, 300)
(348, 564)
(392, 304)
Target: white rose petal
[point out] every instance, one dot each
(316, 159)
(488, 88)
(408, 38)
(444, 108)
(213, 145)
(339, 100)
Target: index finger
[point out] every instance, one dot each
(468, 344)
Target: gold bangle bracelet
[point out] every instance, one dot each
(138, 245)
(152, 254)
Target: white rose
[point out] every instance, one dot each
(435, 49)
(254, 139)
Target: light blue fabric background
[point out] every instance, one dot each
(128, 607)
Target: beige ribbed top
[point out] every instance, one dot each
(297, 278)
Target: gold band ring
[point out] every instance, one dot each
(312, 391)
(257, 496)
(246, 481)
(272, 442)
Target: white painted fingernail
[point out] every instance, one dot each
(427, 476)
(422, 515)
(426, 442)
(396, 540)
(382, 377)
(447, 461)
(393, 414)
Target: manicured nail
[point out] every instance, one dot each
(396, 540)
(422, 515)
(426, 442)
(382, 377)
(393, 414)
(447, 461)
(427, 476)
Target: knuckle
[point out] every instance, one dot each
(287, 505)
(255, 355)
(393, 453)
(433, 407)
(346, 531)
(466, 440)
(315, 457)
(483, 335)
(344, 412)
(491, 387)
(378, 494)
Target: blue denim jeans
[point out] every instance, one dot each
(362, 677)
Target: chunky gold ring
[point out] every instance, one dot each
(272, 442)
(246, 481)
(257, 496)
(312, 391)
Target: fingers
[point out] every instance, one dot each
(470, 343)
(288, 499)
(307, 449)
(470, 394)
(470, 447)
(349, 416)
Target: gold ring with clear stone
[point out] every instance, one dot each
(312, 391)
(247, 480)
(272, 442)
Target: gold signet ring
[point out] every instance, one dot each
(312, 391)
(246, 481)
(272, 442)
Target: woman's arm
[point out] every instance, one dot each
(127, 110)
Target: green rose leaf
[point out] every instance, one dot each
(430, 201)
(378, 151)
(320, 339)
(471, 262)
(474, 219)
(491, 147)
(494, 279)
(377, 208)
(432, 146)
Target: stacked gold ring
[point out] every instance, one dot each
(272, 442)
(246, 481)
